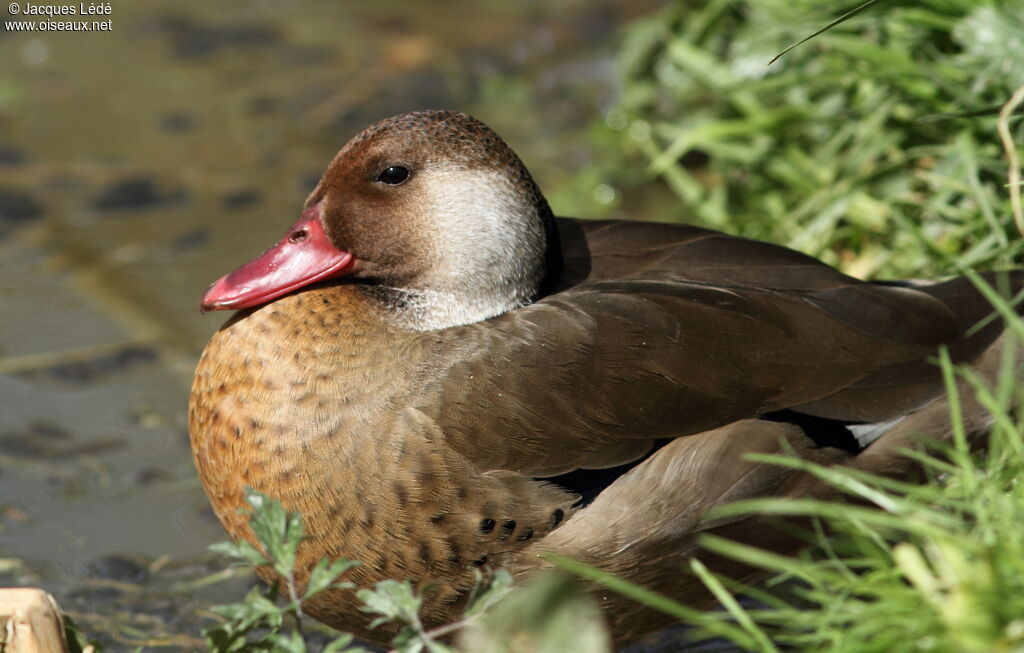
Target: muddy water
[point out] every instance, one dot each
(140, 163)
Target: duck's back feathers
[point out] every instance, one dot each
(662, 330)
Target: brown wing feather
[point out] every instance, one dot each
(899, 388)
(643, 319)
(651, 542)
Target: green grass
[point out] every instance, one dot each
(853, 147)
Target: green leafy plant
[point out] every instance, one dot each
(256, 623)
(552, 614)
(266, 621)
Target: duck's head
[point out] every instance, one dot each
(430, 211)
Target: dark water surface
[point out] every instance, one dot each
(139, 164)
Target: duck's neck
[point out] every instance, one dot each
(476, 289)
(435, 309)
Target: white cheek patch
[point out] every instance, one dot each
(481, 225)
(486, 243)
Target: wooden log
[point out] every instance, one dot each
(31, 622)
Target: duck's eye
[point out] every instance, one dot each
(393, 175)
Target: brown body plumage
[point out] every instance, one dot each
(412, 410)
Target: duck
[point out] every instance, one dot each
(445, 379)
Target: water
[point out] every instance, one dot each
(139, 164)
